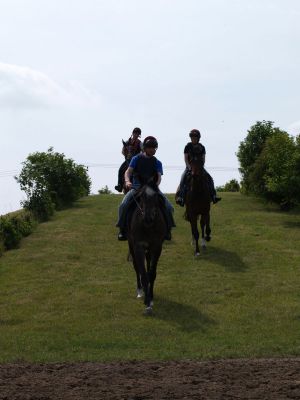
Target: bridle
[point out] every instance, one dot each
(138, 206)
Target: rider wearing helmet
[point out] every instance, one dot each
(131, 147)
(142, 168)
(192, 149)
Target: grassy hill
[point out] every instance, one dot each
(68, 293)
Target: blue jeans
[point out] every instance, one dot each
(128, 198)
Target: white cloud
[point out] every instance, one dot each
(25, 88)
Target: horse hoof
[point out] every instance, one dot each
(148, 311)
(139, 293)
(197, 254)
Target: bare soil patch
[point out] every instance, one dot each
(274, 379)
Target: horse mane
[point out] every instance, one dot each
(147, 182)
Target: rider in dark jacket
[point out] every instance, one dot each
(131, 148)
(194, 148)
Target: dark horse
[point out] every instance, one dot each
(146, 232)
(198, 204)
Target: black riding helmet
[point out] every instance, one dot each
(137, 130)
(195, 133)
(150, 141)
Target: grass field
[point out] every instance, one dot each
(68, 293)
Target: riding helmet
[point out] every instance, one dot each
(150, 141)
(195, 132)
(137, 130)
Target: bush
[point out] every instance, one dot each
(231, 186)
(279, 166)
(52, 181)
(2, 247)
(13, 227)
(104, 190)
(270, 164)
(41, 205)
(11, 236)
(249, 151)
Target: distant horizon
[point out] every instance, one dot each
(170, 181)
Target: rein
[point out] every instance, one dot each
(138, 206)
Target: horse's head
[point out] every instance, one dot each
(149, 201)
(125, 149)
(197, 166)
(198, 180)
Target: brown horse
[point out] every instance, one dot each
(146, 232)
(198, 204)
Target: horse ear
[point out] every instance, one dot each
(124, 144)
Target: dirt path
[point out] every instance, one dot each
(274, 379)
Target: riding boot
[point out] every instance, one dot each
(179, 196)
(121, 172)
(122, 235)
(212, 190)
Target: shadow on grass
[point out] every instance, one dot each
(10, 322)
(230, 260)
(291, 224)
(186, 317)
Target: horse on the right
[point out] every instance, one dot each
(197, 203)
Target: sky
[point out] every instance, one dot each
(79, 76)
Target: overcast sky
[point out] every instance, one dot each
(80, 75)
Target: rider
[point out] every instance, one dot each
(194, 147)
(131, 147)
(147, 166)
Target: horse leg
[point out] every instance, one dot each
(140, 260)
(203, 224)
(207, 228)
(195, 234)
(152, 273)
(139, 290)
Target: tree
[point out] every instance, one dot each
(250, 149)
(231, 186)
(104, 190)
(281, 169)
(51, 181)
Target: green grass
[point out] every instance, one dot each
(68, 293)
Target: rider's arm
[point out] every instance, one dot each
(186, 160)
(203, 158)
(158, 178)
(127, 175)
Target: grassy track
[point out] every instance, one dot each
(68, 293)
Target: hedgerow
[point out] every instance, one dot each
(13, 227)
